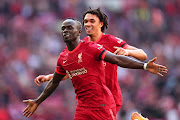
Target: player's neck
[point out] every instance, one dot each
(95, 37)
(72, 45)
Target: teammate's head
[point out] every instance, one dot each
(94, 20)
(71, 29)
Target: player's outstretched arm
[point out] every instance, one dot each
(49, 89)
(127, 62)
(45, 78)
(131, 51)
(155, 68)
(31, 107)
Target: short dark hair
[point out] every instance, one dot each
(102, 17)
(77, 21)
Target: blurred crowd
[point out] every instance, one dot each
(30, 43)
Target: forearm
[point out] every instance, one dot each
(127, 62)
(49, 89)
(50, 76)
(123, 61)
(138, 54)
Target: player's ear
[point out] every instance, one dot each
(80, 31)
(101, 23)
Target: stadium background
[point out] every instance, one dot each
(30, 43)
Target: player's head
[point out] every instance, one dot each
(94, 20)
(71, 29)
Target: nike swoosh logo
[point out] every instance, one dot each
(64, 61)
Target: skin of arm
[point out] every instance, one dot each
(131, 51)
(127, 62)
(123, 61)
(49, 89)
(44, 78)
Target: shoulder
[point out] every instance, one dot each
(90, 45)
(85, 42)
(116, 39)
(86, 38)
(109, 37)
(112, 37)
(62, 55)
(64, 52)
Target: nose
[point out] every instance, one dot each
(65, 30)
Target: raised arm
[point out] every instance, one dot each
(49, 89)
(127, 62)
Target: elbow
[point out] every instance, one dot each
(143, 56)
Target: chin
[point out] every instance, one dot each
(66, 40)
(89, 34)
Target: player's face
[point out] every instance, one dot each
(92, 24)
(70, 30)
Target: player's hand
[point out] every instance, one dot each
(41, 79)
(30, 109)
(156, 68)
(121, 51)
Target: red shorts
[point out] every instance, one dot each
(104, 114)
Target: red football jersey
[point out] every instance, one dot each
(108, 42)
(85, 67)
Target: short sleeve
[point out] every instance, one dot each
(98, 50)
(118, 42)
(59, 69)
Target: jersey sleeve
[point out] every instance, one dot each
(59, 69)
(118, 42)
(98, 50)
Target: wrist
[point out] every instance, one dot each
(37, 101)
(145, 66)
(51, 76)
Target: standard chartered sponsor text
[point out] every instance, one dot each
(76, 72)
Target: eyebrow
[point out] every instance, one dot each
(89, 19)
(67, 26)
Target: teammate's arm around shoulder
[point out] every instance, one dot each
(126, 62)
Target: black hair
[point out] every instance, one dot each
(77, 21)
(102, 17)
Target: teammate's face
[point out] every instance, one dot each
(70, 30)
(92, 24)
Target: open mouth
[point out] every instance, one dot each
(66, 35)
(88, 29)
